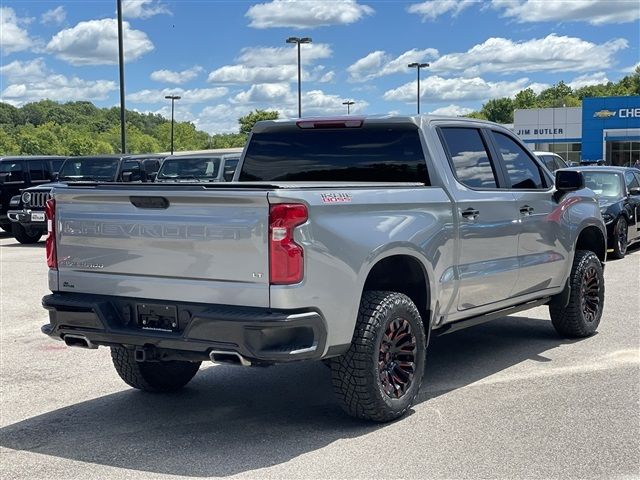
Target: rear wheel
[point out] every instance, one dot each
(152, 376)
(6, 227)
(620, 239)
(581, 316)
(379, 377)
(25, 235)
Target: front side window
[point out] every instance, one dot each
(229, 169)
(521, 169)
(11, 171)
(88, 169)
(470, 157)
(630, 180)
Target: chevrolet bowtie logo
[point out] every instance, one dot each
(604, 114)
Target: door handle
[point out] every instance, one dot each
(470, 213)
(526, 210)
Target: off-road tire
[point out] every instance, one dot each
(22, 235)
(571, 320)
(619, 246)
(356, 377)
(152, 376)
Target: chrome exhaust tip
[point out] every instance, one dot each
(228, 358)
(79, 341)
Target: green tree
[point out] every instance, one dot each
(478, 115)
(8, 144)
(525, 99)
(42, 140)
(228, 140)
(499, 110)
(560, 95)
(248, 121)
(10, 115)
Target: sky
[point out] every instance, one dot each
(227, 58)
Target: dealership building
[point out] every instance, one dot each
(604, 128)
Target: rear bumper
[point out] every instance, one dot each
(261, 335)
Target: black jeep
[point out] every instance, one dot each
(27, 209)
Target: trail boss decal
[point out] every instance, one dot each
(335, 197)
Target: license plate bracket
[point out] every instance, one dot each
(37, 216)
(157, 317)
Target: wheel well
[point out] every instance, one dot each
(591, 238)
(403, 274)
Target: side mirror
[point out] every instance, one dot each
(55, 176)
(634, 191)
(152, 176)
(126, 176)
(569, 180)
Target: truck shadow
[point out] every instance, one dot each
(232, 420)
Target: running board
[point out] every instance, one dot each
(487, 317)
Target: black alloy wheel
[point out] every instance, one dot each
(620, 239)
(590, 294)
(397, 358)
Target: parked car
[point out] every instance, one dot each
(618, 192)
(349, 240)
(551, 160)
(199, 167)
(18, 173)
(27, 209)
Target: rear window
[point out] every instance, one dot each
(372, 153)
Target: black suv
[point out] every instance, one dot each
(27, 209)
(18, 173)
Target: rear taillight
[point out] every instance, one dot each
(286, 257)
(50, 245)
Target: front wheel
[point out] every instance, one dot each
(152, 376)
(24, 235)
(620, 238)
(379, 377)
(581, 316)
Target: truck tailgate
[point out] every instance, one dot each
(192, 245)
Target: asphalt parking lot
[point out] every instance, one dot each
(508, 399)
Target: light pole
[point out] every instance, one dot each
(298, 41)
(123, 139)
(173, 98)
(418, 66)
(348, 103)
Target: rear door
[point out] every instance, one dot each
(488, 261)
(190, 244)
(542, 256)
(633, 181)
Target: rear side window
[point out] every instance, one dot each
(36, 170)
(470, 157)
(371, 153)
(522, 170)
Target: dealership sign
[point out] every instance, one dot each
(621, 113)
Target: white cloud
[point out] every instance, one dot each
(438, 89)
(245, 74)
(551, 53)
(327, 77)
(379, 63)
(55, 16)
(13, 38)
(432, 9)
(178, 78)
(588, 79)
(631, 69)
(196, 95)
(301, 14)
(272, 93)
(595, 12)
(274, 65)
(143, 8)
(30, 81)
(286, 55)
(95, 42)
(316, 102)
(452, 111)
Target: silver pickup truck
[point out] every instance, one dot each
(350, 240)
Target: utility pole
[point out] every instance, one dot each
(298, 41)
(123, 128)
(418, 66)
